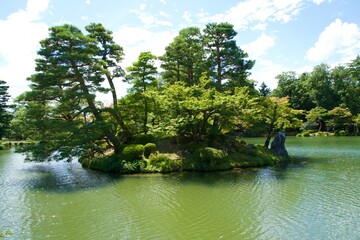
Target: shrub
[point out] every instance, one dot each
(149, 148)
(133, 166)
(107, 164)
(341, 133)
(308, 132)
(163, 163)
(133, 152)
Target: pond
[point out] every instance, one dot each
(314, 197)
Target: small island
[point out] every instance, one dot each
(187, 110)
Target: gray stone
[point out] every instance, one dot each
(278, 145)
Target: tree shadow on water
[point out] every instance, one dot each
(64, 177)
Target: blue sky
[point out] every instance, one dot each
(281, 35)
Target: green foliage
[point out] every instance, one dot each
(149, 148)
(163, 163)
(137, 166)
(142, 75)
(133, 152)
(5, 116)
(340, 119)
(323, 87)
(201, 112)
(277, 115)
(61, 107)
(316, 119)
(225, 58)
(8, 233)
(184, 58)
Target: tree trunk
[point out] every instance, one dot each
(271, 127)
(117, 113)
(146, 116)
(110, 135)
(218, 61)
(268, 138)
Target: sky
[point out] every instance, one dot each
(281, 35)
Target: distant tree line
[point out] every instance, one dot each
(329, 96)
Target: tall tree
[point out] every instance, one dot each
(5, 116)
(70, 73)
(226, 60)
(322, 92)
(109, 54)
(142, 74)
(184, 57)
(353, 103)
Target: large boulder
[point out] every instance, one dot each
(278, 145)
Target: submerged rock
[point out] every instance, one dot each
(278, 146)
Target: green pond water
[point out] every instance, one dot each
(317, 196)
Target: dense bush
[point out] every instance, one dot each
(149, 148)
(208, 158)
(133, 152)
(107, 164)
(163, 163)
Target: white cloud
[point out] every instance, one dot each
(339, 39)
(260, 27)
(18, 49)
(36, 6)
(142, 7)
(85, 18)
(87, 2)
(164, 14)
(135, 40)
(266, 71)
(149, 20)
(187, 16)
(163, 1)
(259, 47)
(318, 2)
(254, 12)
